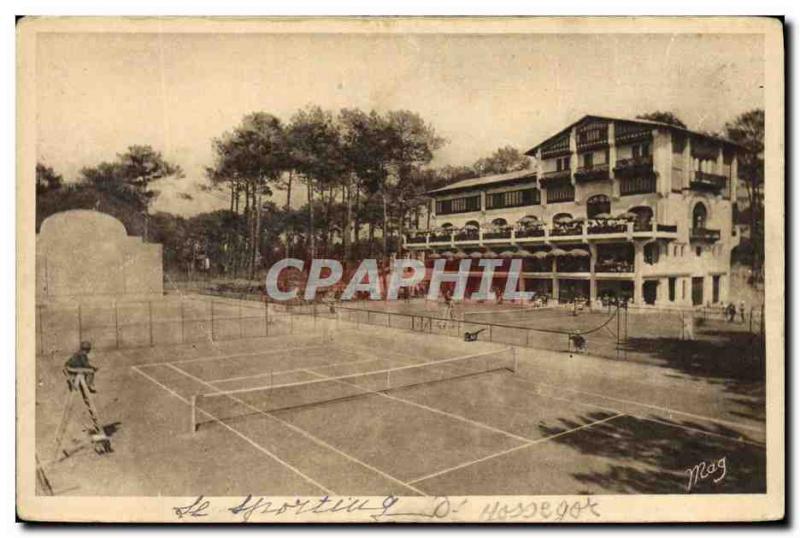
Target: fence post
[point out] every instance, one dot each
(266, 318)
(150, 317)
(39, 328)
(183, 322)
(241, 319)
(116, 323)
(80, 323)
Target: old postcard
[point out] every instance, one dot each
(400, 270)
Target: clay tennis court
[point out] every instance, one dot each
(396, 411)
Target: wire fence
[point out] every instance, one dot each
(168, 321)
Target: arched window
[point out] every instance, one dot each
(598, 205)
(528, 218)
(499, 222)
(562, 217)
(644, 217)
(699, 216)
(472, 224)
(447, 226)
(651, 252)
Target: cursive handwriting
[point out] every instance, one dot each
(542, 510)
(703, 471)
(392, 508)
(260, 505)
(196, 509)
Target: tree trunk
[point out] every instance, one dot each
(288, 209)
(385, 233)
(311, 234)
(347, 219)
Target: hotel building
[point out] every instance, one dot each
(613, 207)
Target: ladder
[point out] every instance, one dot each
(76, 384)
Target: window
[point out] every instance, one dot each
(715, 289)
(587, 160)
(671, 287)
(562, 163)
(500, 200)
(644, 217)
(651, 252)
(640, 150)
(597, 205)
(698, 251)
(499, 222)
(561, 217)
(561, 193)
(458, 205)
(699, 215)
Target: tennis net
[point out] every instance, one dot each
(225, 405)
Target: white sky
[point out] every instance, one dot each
(99, 93)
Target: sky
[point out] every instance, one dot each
(98, 93)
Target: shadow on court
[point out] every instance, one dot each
(733, 360)
(655, 457)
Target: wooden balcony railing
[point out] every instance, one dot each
(708, 181)
(635, 166)
(597, 172)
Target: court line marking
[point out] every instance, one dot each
(267, 374)
(306, 434)
(234, 355)
(633, 402)
(513, 449)
(240, 434)
(438, 411)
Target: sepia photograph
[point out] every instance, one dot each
(408, 270)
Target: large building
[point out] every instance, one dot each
(613, 207)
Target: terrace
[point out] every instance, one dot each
(622, 228)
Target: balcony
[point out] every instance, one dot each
(637, 185)
(417, 238)
(497, 233)
(597, 227)
(598, 172)
(530, 231)
(635, 166)
(569, 229)
(440, 237)
(555, 176)
(602, 230)
(705, 181)
(613, 266)
(467, 235)
(704, 234)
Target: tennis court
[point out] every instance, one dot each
(343, 408)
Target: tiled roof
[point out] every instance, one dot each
(663, 125)
(486, 180)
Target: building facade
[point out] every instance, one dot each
(613, 207)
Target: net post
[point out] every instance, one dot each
(211, 318)
(194, 413)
